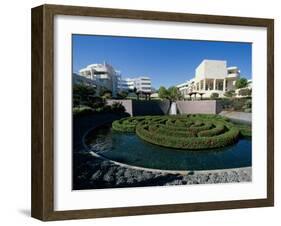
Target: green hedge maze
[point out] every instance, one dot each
(188, 132)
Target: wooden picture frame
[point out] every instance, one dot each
(43, 112)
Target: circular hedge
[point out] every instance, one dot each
(182, 132)
(128, 124)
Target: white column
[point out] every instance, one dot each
(224, 85)
(214, 84)
(204, 84)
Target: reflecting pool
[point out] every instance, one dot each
(129, 149)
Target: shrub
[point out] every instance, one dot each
(117, 107)
(248, 103)
(245, 92)
(238, 104)
(122, 94)
(245, 130)
(107, 95)
(214, 96)
(107, 108)
(83, 110)
(104, 92)
(183, 132)
(230, 93)
(99, 110)
(221, 140)
(226, 103)
(219, 128)
(247, 107)
(126, 124)
(96, 102)
(248, 110)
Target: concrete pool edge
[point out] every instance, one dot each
(181, 172)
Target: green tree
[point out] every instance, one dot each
(105, 93)
(163, 92)
(82, 94)
(241, 83)
(122, 94)
(174, 93)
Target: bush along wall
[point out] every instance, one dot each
(116, 108)
(190, 132)
(237, 104)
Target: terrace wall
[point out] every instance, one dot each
(142, 107)
(199, 107)
(151, 107)
(161, 107)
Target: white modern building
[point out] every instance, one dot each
(103, 75)
(211, 76)
(141, 84)
(81, 80)
(126, 84)
(187, 87)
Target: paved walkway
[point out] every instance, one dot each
(238, 116)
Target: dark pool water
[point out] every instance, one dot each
(129, 149)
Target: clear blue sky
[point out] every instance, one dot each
(166, 61)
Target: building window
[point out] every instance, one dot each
(211, 85)
(220, 85)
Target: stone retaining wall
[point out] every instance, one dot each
(161, 107)
(151, 107)
(142, 107)
(199, 107)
